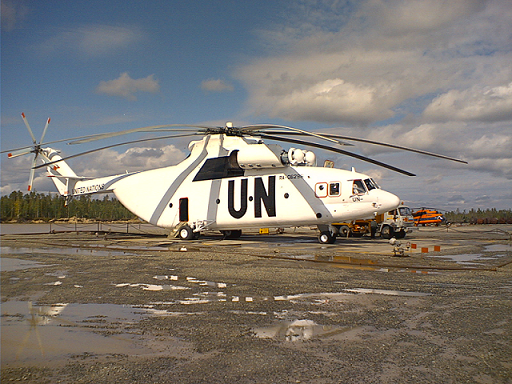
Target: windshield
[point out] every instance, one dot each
(371, 184)
(358, 187)
(405, 211)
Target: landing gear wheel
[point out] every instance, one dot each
(232, 233)
(186, 233)
(401, 234)
(326, 237)
(387, 232)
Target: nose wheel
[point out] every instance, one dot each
(186, 233)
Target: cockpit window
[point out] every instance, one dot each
(358, 187)
(371, 184)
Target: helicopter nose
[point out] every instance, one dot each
(388, 201)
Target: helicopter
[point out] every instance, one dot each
(428, 216)
(232, 180)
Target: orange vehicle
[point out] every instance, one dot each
(428, 216)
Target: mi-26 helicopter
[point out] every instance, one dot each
(232, 180)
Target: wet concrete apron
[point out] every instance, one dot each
(85, 308)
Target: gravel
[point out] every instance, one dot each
(219, 312)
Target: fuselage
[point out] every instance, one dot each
(208, 190)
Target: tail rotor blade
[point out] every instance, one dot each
(19, 152)
(44, 131)
(28, 127)
(32, 172)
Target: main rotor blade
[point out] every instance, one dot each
(143, 129)
(28, 127)
(114, 145)
(382, 144)
(256, 127)
(337, 150)
(397, 147)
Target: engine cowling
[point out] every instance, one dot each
(258, 156)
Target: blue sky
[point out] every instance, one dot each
(430, 74)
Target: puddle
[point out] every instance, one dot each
(33, 334)
(62, 251)
(8, 264)
(298, 330)
(152, 287)
(498, 248)
(126, 249)
(468, 258)
(387, 292)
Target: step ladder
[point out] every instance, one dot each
(174, 233)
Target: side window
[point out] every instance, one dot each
(334, 189)
(321, 189)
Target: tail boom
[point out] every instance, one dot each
(67, 181)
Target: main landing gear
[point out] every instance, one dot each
(327, 234)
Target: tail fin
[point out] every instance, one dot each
(61, 173)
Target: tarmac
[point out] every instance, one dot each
(107, 307)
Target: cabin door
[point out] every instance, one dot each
(184, 209)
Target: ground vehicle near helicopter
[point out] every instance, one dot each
(232, 180)
(396, 223)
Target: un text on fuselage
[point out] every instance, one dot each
(262, 196)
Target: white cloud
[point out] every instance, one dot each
(498, 167)
(109, 162)
(216, 85)
(15, 175)
(491, 146)
(333, 100)
(377, 58)
(92, 40)
(475, 104)
(126, 87)
(399, 17)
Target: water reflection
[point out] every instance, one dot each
(298, 330)
(9, 264)
(62, 251)
(34, 333)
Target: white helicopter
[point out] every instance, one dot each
(232, 181)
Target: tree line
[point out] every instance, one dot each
(480, 216)
(38, 206)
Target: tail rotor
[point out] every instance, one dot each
(35, 149)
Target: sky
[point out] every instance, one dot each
(430, 74)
